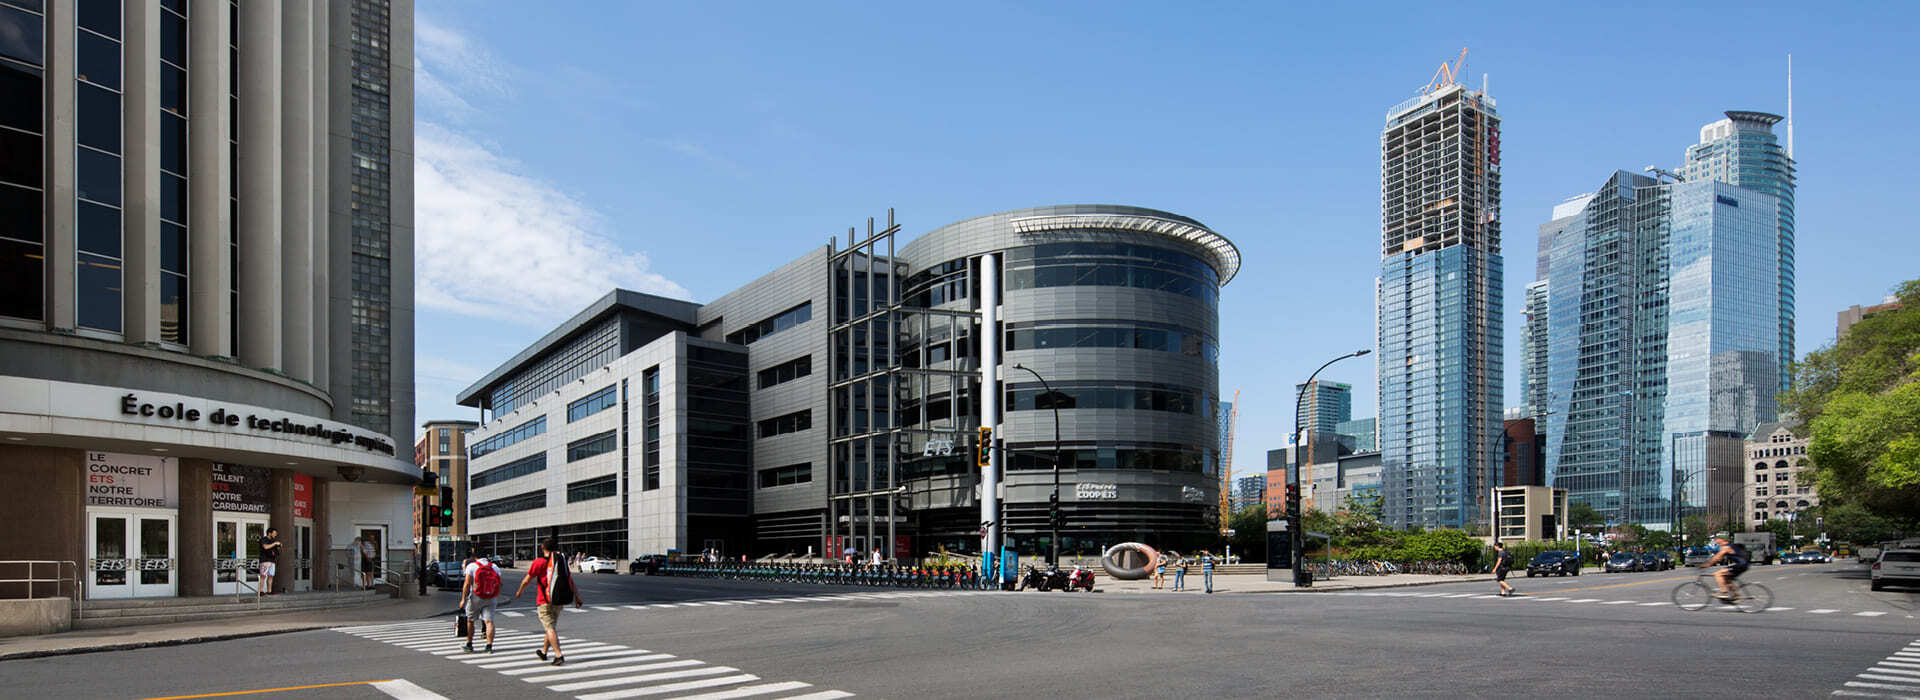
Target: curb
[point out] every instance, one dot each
(127, 646)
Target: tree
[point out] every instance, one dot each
(1860, 401)
(1250, 532)
(1583, 516)
(1442, 545)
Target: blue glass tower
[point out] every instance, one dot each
(1439, 305)
(1743, 150)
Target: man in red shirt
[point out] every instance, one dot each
(554, 589)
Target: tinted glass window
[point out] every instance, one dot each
(98, 229)
(19, 158)
(173, 308)
(100, 15)
(1900, 556)
(99, 117)
(99, 61)
(173, 39)
(98, 176)
(19, 97)
(173, 89)
(173, 248)
(20, 35)
(99, 285)
(173, 198)
(19, 214)
(20, 280)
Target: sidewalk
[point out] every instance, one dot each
(1258, 583)
(136, 637)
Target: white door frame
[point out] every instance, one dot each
(131, 563)
(303, 552)
(243, 560)
(380, 546)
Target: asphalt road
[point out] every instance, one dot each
(1589, 636)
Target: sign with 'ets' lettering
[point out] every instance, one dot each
(141, 481)
(240, 489)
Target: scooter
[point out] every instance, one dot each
(1081, 579)
(1056, 580)
(1033, 579)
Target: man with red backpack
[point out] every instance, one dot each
(479, 588)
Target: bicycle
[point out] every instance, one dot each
(1703, 591)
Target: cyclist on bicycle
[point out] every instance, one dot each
(1736, 559)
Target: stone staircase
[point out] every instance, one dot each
(152, 611)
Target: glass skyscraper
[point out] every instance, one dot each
(1323, 405)
(1743, 150)
(1439, 306)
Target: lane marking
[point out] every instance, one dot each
(1617, 602)
(749, 691)
(596, 673)
(1822, 611)
(671, 687)
(534, 668)
(629, 680)
(405, 690)
(1870, 613)
(1649, 605)
(1624, 585)
(266, 690)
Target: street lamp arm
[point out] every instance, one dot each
(1053, 401)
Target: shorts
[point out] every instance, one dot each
(366, 566)
(480, 609)
(549, 614)
(266, 569)
(1499, 574)
(1159, 571)
(1736, 570)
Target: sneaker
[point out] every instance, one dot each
(542, 653)
(468, 647)
(489, 648)
(557, 660)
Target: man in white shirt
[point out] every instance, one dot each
(479, 587)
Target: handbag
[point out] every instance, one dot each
(460, 626)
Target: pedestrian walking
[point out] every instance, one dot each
(553, 590)
(368, 556)
(1160, 571)
(1206, 568)
(479, 589)
(1502, 563)
(1180, 574)
(269, 557)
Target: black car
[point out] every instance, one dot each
(446, 575)
(648, 564)
(1554, 562)
(1656, 561)
(501, 560)
(1622, 561)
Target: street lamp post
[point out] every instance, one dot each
(1054, 401)
(1301, 473)
(1680, 486)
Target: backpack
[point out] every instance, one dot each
(559, 586)
(486, 581)
(1506, 559)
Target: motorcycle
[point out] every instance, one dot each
(1081, 579)
(1033, 579)
(1056, 580)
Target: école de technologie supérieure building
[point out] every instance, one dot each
(835, 402)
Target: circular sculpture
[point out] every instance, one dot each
(1129, 561)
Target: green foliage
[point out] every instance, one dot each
(1442, 545)
(1850, 522)
(1860, 399)
(1249, 538)
(1581, 515)
(1524, 552)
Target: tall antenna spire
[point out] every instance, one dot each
(1789, 105)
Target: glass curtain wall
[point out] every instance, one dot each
(864, 298)
(97, 166)
(22, 135)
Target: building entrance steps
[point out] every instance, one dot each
(148, 611)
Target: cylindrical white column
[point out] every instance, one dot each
(210, 184)
(296, 188)
(990, 396)
(318, 286)
(140, 139)
(258, 181)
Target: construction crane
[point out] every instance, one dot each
(1448, 74)
(1226, 465)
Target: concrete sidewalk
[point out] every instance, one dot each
(136, 637)
(1258, 583)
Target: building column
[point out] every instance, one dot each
(196, 527)
(140, 205)
(280, 517)
(296, 199)
(50, 526)
(258, 182)
(320, 23)
(323, 574)
(210, 190)
(62, 301)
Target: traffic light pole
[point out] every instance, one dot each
(1301, 475)
(1053, 504)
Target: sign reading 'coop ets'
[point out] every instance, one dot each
(137, 481)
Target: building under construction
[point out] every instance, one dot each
(1440, 304)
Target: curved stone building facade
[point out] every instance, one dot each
(1117, 307)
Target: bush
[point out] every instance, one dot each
(1524, 552)
(1442, 545)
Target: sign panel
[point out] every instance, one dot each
(141, 481)
(302, 496)
(1096, 492)
(240, 489)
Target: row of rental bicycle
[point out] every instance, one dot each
(885, 576)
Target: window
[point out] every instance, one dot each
(446, 440)
(511, 470)
(510, 504)
(786, 371)
(537, 426)
(779, 322)
(593, 403)
(597, 487)
(1144, 337)
(589, 447)
(1140, 397)
(790, 423)
(786, 476)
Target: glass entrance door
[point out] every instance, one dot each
(375, 536)
(236, 554)
(302, 555)
(130, 554)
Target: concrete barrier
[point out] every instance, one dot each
(19, 617)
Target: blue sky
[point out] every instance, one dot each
(684, 149)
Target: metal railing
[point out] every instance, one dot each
(59, 578)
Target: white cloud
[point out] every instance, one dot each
(490, 242)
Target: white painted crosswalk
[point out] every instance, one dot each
(1896, 677)
(1869, 614)
(610, 671)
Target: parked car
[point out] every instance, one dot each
(648, 564)
(503, 561)
(1695, 556)
(1899, 567)
(1554, 562)
(1622, 562)
(445, 575)
(1656, 561)
(597, 565)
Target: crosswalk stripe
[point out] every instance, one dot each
(1869, 613)
(510, 613)
(1903, 663)
(598, 672)
(671, 687)
(1649, 605)
(521, 645)
(603, 608)
(588, 664)
(1483, 597)
(719, 602)
(1779, 608)
(603, 652)
(1617, 602)
(1878, 669)
(1883, 686)
(1584, 600)
(1822, 611)
(645, 678)
(634, 607)
(1858, 694)
(748, 691)
(822, 695)
(1549, 600)
(1901, 679)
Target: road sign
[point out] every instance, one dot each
(426, 491)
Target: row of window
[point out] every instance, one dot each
(786, 476)
(786, 371)
(537, 426)
(790, 423)
(592, 403)
(779, 322)
(1054, 253)
(510, 504)
(1137, 398)
(1193, 461)
(593, 446)
(597, 487)
(1183, 342)
(515, 469)
(1112, 274)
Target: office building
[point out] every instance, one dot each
(1249, 490)
(833, 403)
(442, 450)
(1854, 314)
(1439, 358)
(1663, 335)
(1323, 405)
(190, 248)
(1779, 477)
(1364, 433)
(1522, 453)
(1742, 150)
(1533, 353)
(1531, 513)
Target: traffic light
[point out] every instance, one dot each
(1054, 515)
(446, 506)
(429, 479)
(428, 515)
(1293, 499)
(984, 452)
